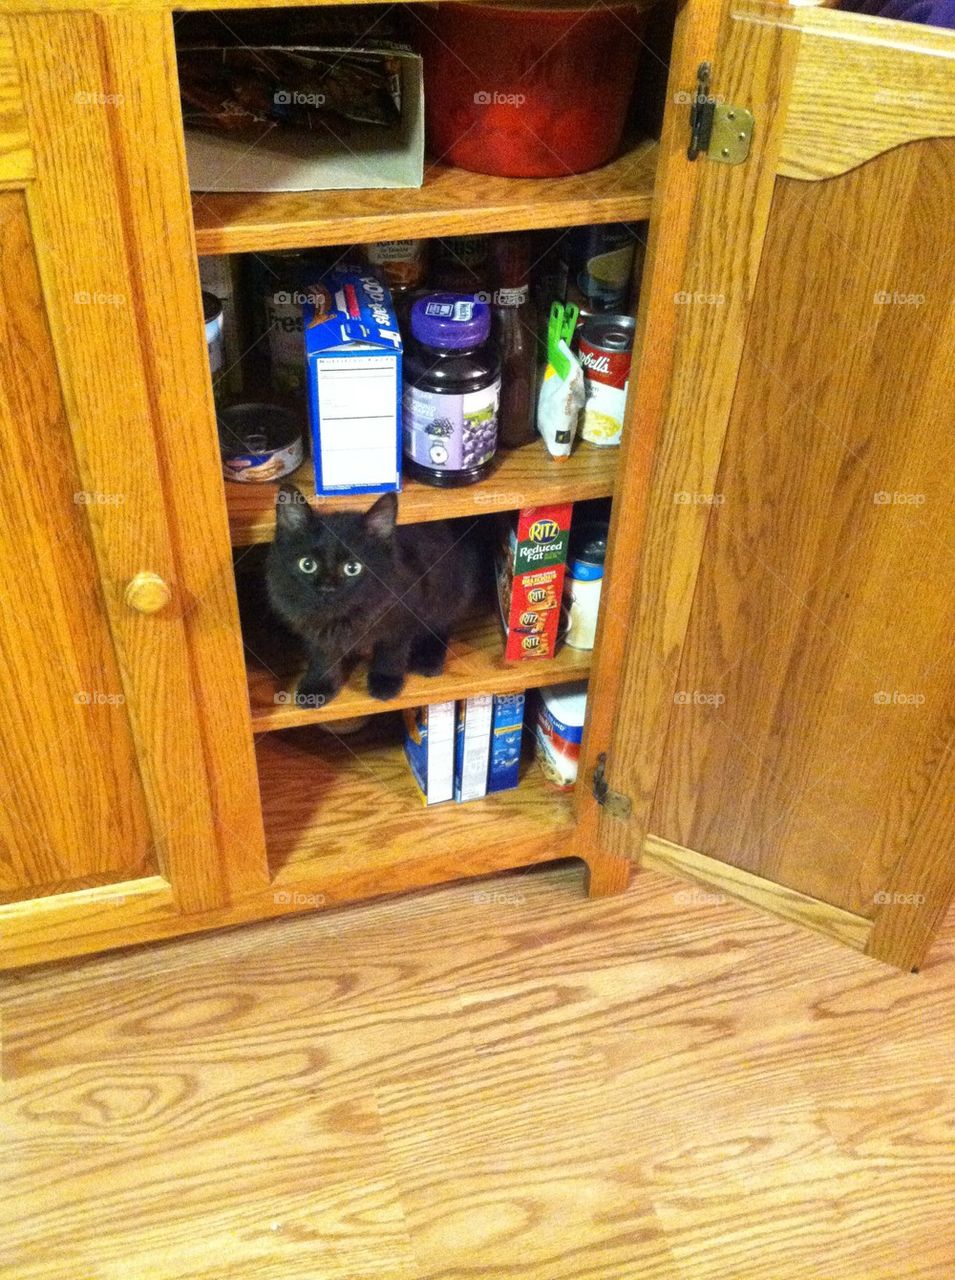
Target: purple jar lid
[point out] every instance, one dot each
(454, 321)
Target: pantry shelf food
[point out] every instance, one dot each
(451, 202)
(352, 809)
(475, 665)
(522, 477)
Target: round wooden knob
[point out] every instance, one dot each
(147, 593)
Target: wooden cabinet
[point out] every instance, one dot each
(760, 594)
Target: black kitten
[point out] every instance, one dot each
(350, 583)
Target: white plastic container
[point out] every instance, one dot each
(560, 726)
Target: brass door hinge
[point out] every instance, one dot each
(617, 805)
(719, 131)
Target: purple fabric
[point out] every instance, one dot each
(933, 13)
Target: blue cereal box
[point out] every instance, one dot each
(429, 749)
(353, 363)
(507, 723)
(472, 742)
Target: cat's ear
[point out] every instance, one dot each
(292, 512)
(380, 520)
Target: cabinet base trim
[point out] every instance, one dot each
(789, 904)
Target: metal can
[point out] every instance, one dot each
(215, 344)
(401, 263)
(583, 581)
(259, 442)
(598, 266)
(605, 347)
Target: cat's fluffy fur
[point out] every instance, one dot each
(349, 584)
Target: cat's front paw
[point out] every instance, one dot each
(384, 685)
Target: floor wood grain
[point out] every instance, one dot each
(495, 1081)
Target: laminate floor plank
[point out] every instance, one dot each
(496, 1080)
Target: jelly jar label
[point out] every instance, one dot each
(450, 432)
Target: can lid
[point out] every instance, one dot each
(456, 321)
(211, 306)
(256, 428)
(566, 702)
(609, 333)
(588, 542)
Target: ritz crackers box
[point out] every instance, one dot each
(530, 579)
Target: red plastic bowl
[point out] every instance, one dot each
(528, 93)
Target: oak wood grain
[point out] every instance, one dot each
(475, 664)
(153, 193)
(692, 331)
(723, 877)
(76, 206)
(420, 1091)
(349, 805)
(522, 477)
(450, 202)
(816, 676)
(862, 86)
(16, 158)
(67, 744)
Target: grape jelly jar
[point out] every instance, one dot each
(452, 388)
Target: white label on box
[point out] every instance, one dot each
(358, 429)
(472, 783)
(440, 752)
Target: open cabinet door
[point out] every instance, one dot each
(127, 783)
(785, 728)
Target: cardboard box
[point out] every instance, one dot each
(353, 363)
(507, 725)
(471, 748)
(429, 749)
(344, 155)
(532, 552)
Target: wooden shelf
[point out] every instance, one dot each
(475, 665)
(450, 202)
(524, 477)
(350, 810)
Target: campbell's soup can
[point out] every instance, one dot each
(559, 730)
(604, 348)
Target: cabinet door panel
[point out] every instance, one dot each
(72, 811)
(786, 718)
(816, 673)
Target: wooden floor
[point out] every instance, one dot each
(497, 1080)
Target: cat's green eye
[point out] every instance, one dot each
(351, 568)
(307, 564)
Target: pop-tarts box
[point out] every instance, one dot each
(507, 723)
(353, 360)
